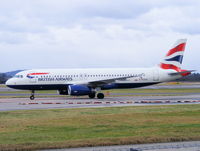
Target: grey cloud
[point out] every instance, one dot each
(37, 15)
(92, 32)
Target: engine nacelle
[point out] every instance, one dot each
(78, 90)
(63, 92)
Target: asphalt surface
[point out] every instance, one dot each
(7, 104)
(74, 102)
(177, 146)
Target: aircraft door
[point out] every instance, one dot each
(33, 78)
(155, 75)
(83, 76)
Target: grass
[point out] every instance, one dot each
(2, 86)
(28, 92)
(63, 128)
(195, 90)
(27, 96)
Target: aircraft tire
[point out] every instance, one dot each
(100, 96)
(32, 97)
(92, 95)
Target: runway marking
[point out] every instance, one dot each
(8, 104)
(115, 102)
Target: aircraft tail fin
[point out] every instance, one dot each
(173, 59)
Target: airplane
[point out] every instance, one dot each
(90, 81)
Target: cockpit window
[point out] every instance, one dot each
(18, 76)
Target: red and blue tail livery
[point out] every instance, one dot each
(174, 58)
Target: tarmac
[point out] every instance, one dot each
(137, 99)
(77, 102)
(175, 146)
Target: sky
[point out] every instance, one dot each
(96, 33)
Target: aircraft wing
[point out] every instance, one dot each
(97, 83)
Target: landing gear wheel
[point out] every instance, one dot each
(100, 95)
(32, 97)
(92, 95)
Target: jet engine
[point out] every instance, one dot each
(78, 90)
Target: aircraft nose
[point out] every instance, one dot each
(9, 82)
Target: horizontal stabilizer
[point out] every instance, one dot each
(182, 72)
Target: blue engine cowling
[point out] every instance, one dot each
(78, 90)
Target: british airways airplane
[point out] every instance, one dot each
(79, 82)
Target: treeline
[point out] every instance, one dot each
(3, 78)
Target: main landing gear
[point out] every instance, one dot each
(92, 95)
(99, 95)
(32, 97)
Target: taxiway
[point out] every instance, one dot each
(77, 102)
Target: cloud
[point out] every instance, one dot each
(178, 19)
(101, 33)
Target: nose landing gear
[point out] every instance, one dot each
(32, 97)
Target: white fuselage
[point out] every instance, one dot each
(44, 79)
